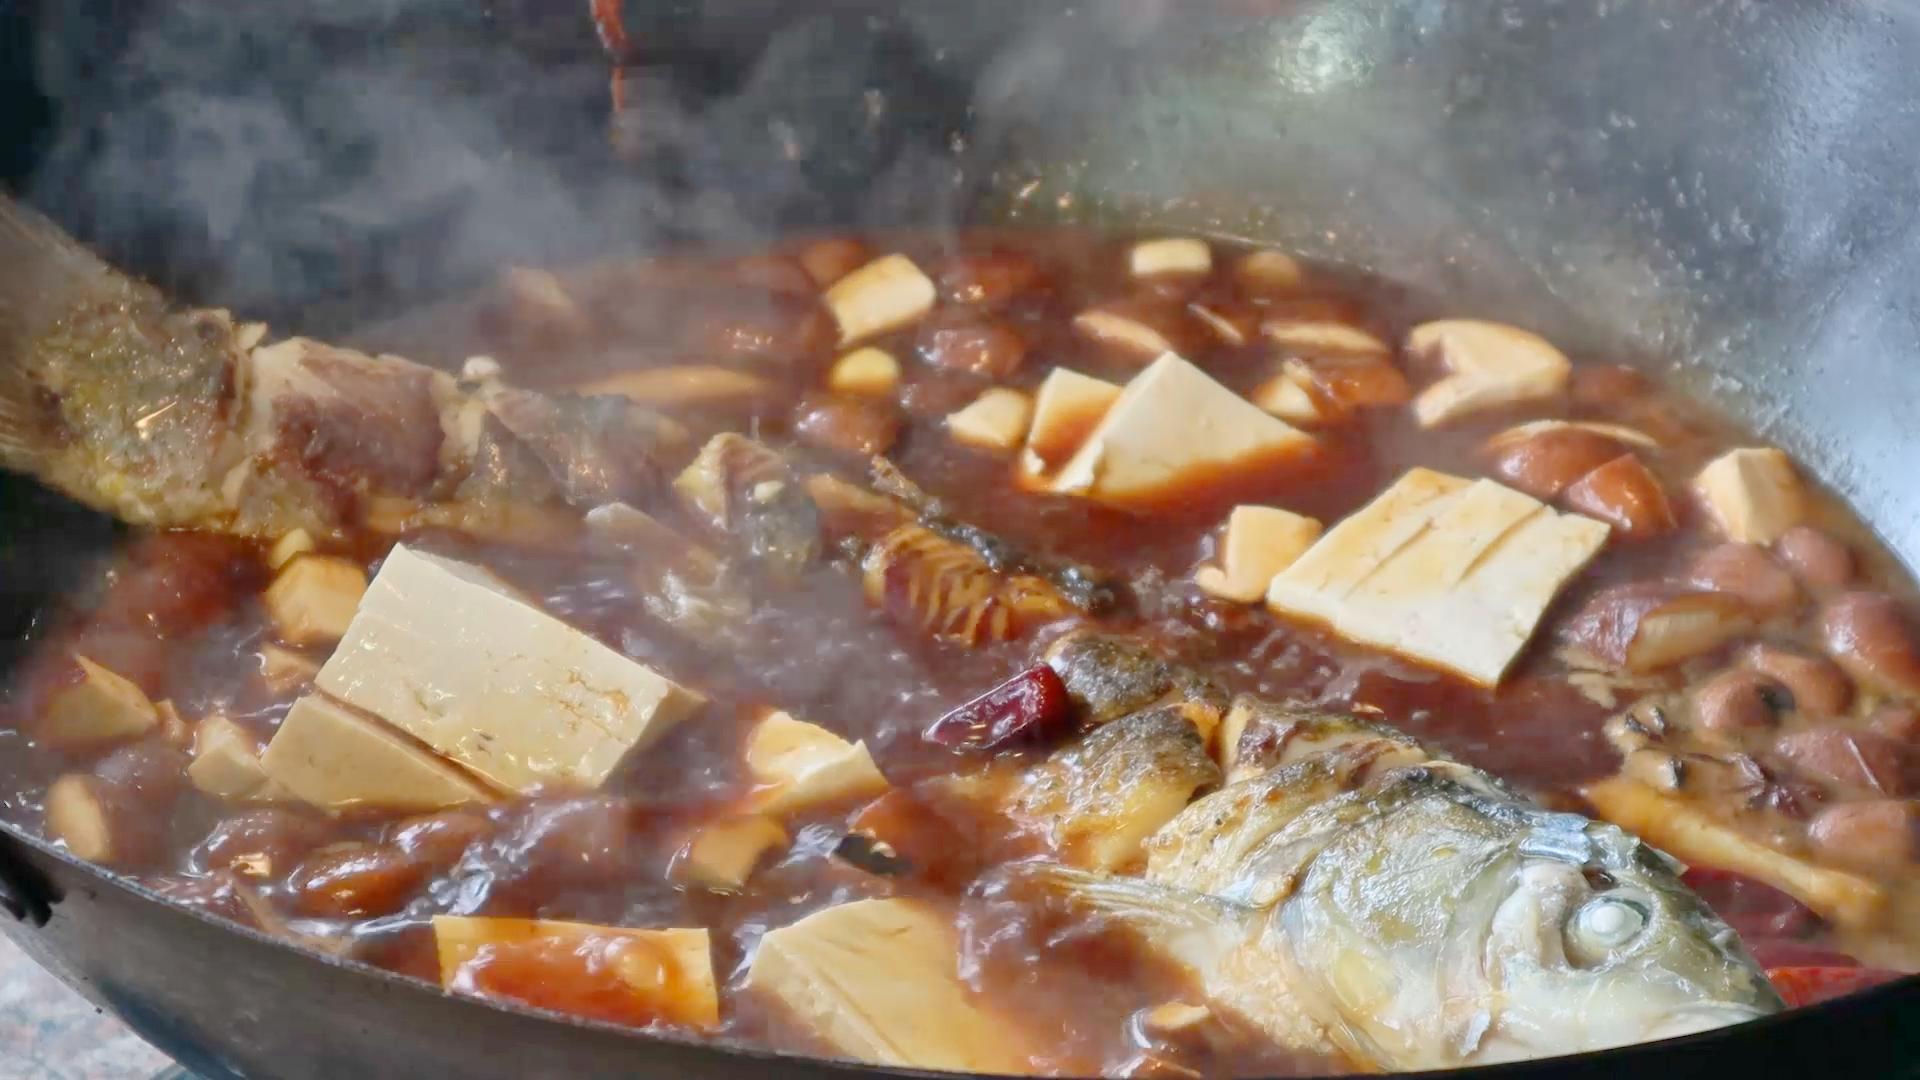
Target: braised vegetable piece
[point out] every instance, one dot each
(1260, 542)
(800, 766)
(102, 707)
(1647, 626)
(1754, 496)
(828, 261)
(1443, 570)
(1488, 366)
(1030, 707)
(1818, 560)
(637, 977)
(855, 425)
(1817, 685)
(877, 981)
(327, 754)
(314, 598)
(1875, 640)
(1322, 338)
(1625, 495)
(1138, 331)
(990, 279)
(1749, 573)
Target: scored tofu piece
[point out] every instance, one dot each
(996, 420)
(886, 294)
(877, 981)
(103, 707)
(1171, 427)
(871, 372)
(226, 762)
(1176, 255)
(337, 759)
(1754, 495)
(667, 974)
(800, 766)
(1260, 542)
(450, 654)
(1066, 409)
(722, 855)
(1489, 365)
(313, 599)
(1447, 571)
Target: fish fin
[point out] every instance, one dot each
(1190, 928)
(44, 273)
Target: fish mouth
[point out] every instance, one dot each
(1693, 1019)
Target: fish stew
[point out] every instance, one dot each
(735, 756)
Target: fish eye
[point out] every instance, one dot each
(1603, 925)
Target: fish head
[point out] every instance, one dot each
(1597, 943)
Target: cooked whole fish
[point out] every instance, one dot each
(1350, 892)
(177, 417)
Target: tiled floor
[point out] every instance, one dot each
(49, 1033)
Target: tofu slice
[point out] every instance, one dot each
(996, 420)
(721, 856)
(1290, 398)
(1260, 542)
(313, 598)
(690, 384)
(1753, 495)
(669, 973)
(1447, 571)
(288, 547)
(876, 981)
(1490, 365)
(1066, 409)
(78, 817)
(451, 655)
(283, 669)
(869, 372)
(103, 707)
(1316, 337)
(885, 295)
(800, 766)
(1269, 272)
(337, 759)
(226, 761)
(1174, 426)
(1176, 255)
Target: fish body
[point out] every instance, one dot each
(1351, 893)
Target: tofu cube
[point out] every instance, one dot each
(1066, 409)
(877, 981)
(103, 707)
(327, 754)
(1177, 255)
(996, 420)
(78, 817)
(226, 761)
(1753, 495)
(454, 657)
(1490, 365)
(1260, 542)
(867, 372)
(1269, 273)
(1171, 428)
(722, 855)
(885, 295)
(800, 766)
(284, 670)
(660, 974)
(1290, 398)
(1446, 571)
(313, 599)
(1322, 337)
(290, 546)
(1127, 331)
(689, 385)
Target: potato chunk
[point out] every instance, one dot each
(1177, 255)
(1440, 569)
(722, 855)
(1174, 427)
(1754, 495)
(868, 372)
(103, 707)
(450, 654)
(997, 420)
(1260, 542)
(1489, 365)
(801, 766)
(313, 599)
(328, 755)
(876, 981)
(601, 972)
(884, 295)
(1066, 409)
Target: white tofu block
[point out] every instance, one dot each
(877, 981)
(337, 759)
(996, 420)
(1269, 272)
(1286, 396)
(800, 766)
(1490, 365)
(668, 972)
(1260, 542)
(1066, 409)
(1753, 495)
(721, 855)
(1443, 570)
(103, 707)
(288, 547)
(1316, 337)
(869, 372)
(453, 656)
(1172, 427)
(886, 294)
(226, 761)
(313, 598)
(1176, 255)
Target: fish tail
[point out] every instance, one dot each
(43, 275)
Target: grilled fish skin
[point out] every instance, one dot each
(175, 417)
(1351, 892)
